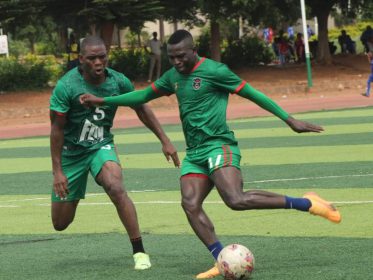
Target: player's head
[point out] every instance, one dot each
(93, 58)
(181, 51)
(155, 35)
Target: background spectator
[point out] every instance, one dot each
(309, 31)
(299, 48)
(346, 43)
(364, 38)
(155, 56)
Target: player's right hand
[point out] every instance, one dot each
(90, 100)
(60, 185)
(301, 126)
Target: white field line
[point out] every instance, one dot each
(142, 191)
(89, 194)
(247, 182)
(26, 199)
(308, 178)
(207, 202)
(177, 202)
(135, 202)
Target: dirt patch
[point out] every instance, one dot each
(339, 84)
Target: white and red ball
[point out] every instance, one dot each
(236, 262)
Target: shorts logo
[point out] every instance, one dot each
(106, 147)
(197, 83)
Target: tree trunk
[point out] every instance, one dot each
(107, 30)
(139, 39)
(174, 22)
(215, 41)
(92, 28)
(62, 38)
(161, 30)
(322, 9)
(323, 52)
(32, 44)
(119, 38)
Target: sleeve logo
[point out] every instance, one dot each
(197, 83)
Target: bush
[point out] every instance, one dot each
(133, 63)
(12, 74)
(247, 51)
(18, 48)
(203, 44)
(44, 48)
(30, 72)
(354, 30)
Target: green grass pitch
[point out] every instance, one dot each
(288, 245)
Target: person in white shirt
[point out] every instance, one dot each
(155, 56)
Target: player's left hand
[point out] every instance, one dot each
(170, 152)
(301, 126)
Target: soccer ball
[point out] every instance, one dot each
(236, 262)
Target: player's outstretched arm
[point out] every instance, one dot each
(268, 104)
(133, 98)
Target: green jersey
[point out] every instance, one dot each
(203, 98)
(87, 129)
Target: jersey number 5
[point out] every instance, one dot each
(91, 132)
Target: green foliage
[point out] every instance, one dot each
(53, 65)
(367, 11)
(164, 59)
(12, 74)
(203, 44)
(132, 39)
(132, 62)
(247, 51)
(18, 48)
(44, 48)
(353, 30)
(30, 72)
(268, 12)
(184, 11)
(237, 53)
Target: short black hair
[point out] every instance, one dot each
(91, 41)
(178, 36)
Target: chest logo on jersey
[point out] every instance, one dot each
(197, 83)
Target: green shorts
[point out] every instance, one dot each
(206, 161)
(76, 170)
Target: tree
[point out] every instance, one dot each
(27, 21)
(100, 16)
(216, 10)
(322, 9)
(269, 12)
(184, 11)
(266, 12)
